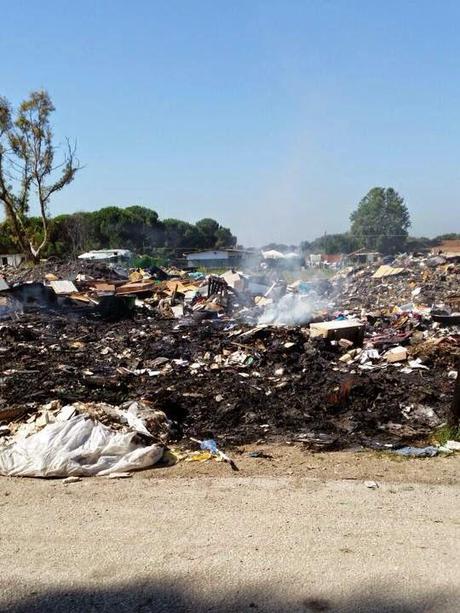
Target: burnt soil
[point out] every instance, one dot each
(45, 356)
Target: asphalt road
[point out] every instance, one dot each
(228, 544)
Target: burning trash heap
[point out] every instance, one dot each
(101, 368)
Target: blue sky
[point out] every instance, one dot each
(274, 117)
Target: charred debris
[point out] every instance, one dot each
(365, 358)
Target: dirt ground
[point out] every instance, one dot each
(295, 461)
(300, 532)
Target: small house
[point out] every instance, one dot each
(324, 260)
(11, 259)
(363, 257)
(218, 258)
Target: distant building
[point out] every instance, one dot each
(220, 258)
(323, 260)
(363, 257)
(12, 259)
(313, 260)
(332, 259)
(107, 255)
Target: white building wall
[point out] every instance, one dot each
(208, 255)
(11, 259)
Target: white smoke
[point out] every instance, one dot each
(290, 310)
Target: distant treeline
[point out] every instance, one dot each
(140, 229)
(136, 227)
(346, 243)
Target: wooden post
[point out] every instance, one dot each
(454, 417)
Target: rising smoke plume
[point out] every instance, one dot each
(290, 310)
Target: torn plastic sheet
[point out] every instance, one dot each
(77, 447)
(417, 452)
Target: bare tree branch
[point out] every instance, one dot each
(26, 160)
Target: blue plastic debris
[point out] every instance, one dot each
(210, 445)
(196, 276)
(304, 287)
(417, 452)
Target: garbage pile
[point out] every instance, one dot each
(367, 358)
(111, 292)
(409, 282)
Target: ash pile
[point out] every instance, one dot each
(366, 358)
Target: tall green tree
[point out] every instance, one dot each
(28, 168)
(71, 235)
(214, 235)
(7, 243)
(181, 235)
(135, 227)
(224, 238)
(381, 221)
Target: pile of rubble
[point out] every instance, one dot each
(409, 283)
(359, 360)
(115, 292)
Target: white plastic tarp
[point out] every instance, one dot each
(272, 254)
(77, 447)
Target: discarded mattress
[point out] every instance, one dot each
(77, 447)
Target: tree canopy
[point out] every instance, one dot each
(137, 228)
(331, 243)
(381, 221)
